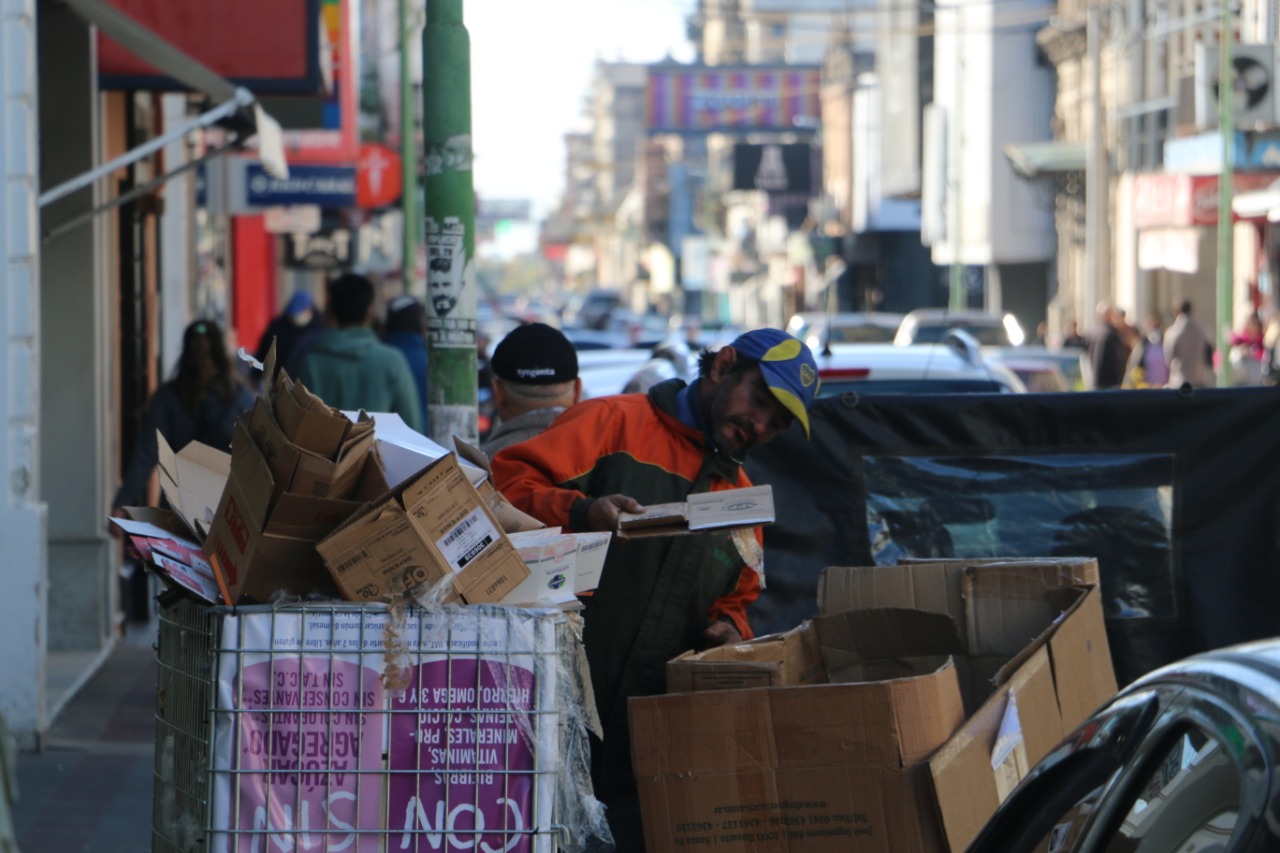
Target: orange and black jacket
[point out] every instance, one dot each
(656, 595)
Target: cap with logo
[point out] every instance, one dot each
(535, 354)
(788, 367)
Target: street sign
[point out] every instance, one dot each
(324, 186)
(326, 250)
(298, 219)
(378, 177)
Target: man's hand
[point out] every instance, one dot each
(603, 512)
(721, 633)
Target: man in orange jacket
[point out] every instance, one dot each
(659, 596)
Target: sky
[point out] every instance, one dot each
(531, 63)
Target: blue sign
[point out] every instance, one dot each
(1200, 154)
(1264, 153)
(326, 186)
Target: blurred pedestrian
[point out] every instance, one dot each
(348, 367)
(1108, 355)
(1072, 338)
(298, 320)
(1247, 351)
(200, 403)
(1185, 347)
(1147, 365)
(535, 378)
(406, 330)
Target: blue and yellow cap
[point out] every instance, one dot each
(788, 367)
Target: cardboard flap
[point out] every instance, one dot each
(280, 453)
(269, 371)
(307, 421)
(974, 771)
(1009, 606)
(252, 475)
(192, 481)
(934, 587)
(470, 453)
(336, 478)
(511, 519)
(308, 517)
(888, 633)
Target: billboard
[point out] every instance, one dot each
(774, 168)
(264, 47)
(711, 99)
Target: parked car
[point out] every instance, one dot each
(954, 365)
(927, 325)
(817, 329)
(1184, 760)
(1066, 361)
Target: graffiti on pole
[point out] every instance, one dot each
(450, 294)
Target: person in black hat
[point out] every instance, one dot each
(535, 378)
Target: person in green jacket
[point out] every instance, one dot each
(349, 368)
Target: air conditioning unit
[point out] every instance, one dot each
(1253, 84)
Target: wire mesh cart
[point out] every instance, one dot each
(358, 727)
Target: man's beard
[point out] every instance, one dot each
(718, 417)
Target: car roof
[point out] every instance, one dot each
(883, 362)
(966, 314)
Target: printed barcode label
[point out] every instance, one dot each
(351, 561)
(468, 539)
(452, 536)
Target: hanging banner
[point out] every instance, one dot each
(712, 99)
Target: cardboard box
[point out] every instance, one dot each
(775, 660)
(264, 539)
(909, 754)
(727, 509)
(432, 526)
(301, 471)
(192, 481)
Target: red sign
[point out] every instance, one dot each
(1164, 200)
(378, 177)
(266, 47)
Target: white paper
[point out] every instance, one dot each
(405, 451)
(1010, 734)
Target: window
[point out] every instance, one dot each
(1116, 507)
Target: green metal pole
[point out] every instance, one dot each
(408, 164)
(450, 215)
(1226, 244)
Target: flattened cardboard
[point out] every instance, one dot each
(430, 527)
(775, 660)
(192, 481)
(727, 509)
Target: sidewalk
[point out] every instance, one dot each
(89, 789)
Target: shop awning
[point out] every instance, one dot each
(1034, 159)
(1259, 204)
(236, 107)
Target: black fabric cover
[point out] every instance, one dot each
(1221, 557)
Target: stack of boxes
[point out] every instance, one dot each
(298, 469)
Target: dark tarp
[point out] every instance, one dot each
(1173, 493)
